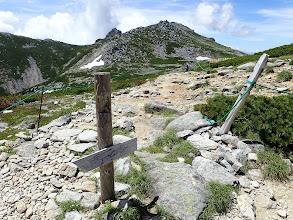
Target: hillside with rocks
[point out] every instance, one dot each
(41, 174)
(27, 64)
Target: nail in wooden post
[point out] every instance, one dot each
(104, 128)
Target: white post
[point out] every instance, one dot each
(259, 67)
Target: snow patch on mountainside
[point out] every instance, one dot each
(96, 62)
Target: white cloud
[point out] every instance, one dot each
(243, 31)
(285, 13)
(84, 27)
(213, 16)
(7, 21)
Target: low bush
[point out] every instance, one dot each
(221, 199)
(284, 76)
(68, 206)
(273, 166)
(270, 119)
(269, 69)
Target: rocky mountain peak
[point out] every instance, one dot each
(113, 33)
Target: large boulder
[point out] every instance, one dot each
(27, 150)
(59, 122)
(157, 106)
(211, 171)
(87, 136)
(246, 66)
(181, 191)
(124, 123)
(65, 134)
(190, 121)
(80, 147)
(202, 143)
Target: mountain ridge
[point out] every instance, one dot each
(53, 62)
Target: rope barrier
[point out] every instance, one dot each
(20, 101)
(206, 70)
(230, 109)
(61, 88)
(270, 88)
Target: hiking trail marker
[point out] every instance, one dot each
(258, 69)
(107, 151)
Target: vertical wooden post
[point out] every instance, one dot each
(104, 128)
(259, 67)
(40, 110)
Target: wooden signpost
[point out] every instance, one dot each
(259, 67)
(107, 152)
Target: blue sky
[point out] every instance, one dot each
(249, 26)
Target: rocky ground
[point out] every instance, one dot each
(42, 174)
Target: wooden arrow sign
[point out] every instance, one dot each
(106, 155)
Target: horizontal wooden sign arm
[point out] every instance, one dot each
(107, 155)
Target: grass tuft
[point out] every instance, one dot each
(274, 167)
(221, 198)
(68, 206)
(284, 76)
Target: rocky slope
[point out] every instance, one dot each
(42, 172)
(48, 61)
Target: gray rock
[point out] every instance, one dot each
(27, 150)
(5, 170)
(117, 139)
(122, 204)
(124, 123)
(126, 109)
(211, 171)
(241, 154)
(53, 210)
(154, 134)
(65, 134)
(90, 200)
(246, 66)
(41, 144)
(229, 139)
(31, 126)
(80, 147)
(225, 72)
(68, 169)
(195, 85)
(246, 207)
(56, 183)
(190, 121)
(20, 207)
(4, 156)
(121, 188)
(158, 123)
(15, 168)
(3, 125)
(184, 134)
(67, 195)
(189, 198)
(252, 157)
(232, 160)
(253, 145)
(87, 136)
(228, 166)
(73, 215)
(158, 106)
(202, 143)
(59, 122)
(254, 174)
(244, 182)
(282, 213)
(24, 136)
(123, 166)
(279, 63)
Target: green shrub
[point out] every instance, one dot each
(284, 76)
(4, 103)
(274, 167)
(268, 118)
(221, 198)
(291, 62)
(168, 121)
(269, 69)
(250, 69)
